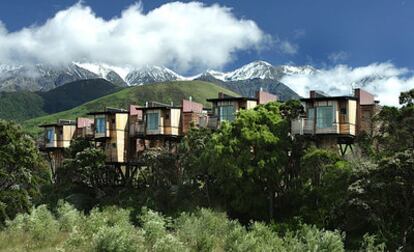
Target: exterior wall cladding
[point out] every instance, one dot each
(265, 97)
(189, 106)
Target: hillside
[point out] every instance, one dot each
(76, 93)
(166, 92)
(19, 106)
(23, 105)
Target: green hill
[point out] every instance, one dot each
(162, 92)
(23, 105)
(18, 106)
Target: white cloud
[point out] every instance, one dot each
(385, 80)
(180, 35)
(288, 48)
(337, 57)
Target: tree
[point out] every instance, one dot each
(396, 131)
(386, 194)
(22, 171)
(249, 159)
(87, 168)
(194, 154)
(325, 180)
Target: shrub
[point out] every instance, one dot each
(40, 224)
(310, 238)
(204, 230)
(118, 239)
(153, 224)
(169, 243)
(68, 216)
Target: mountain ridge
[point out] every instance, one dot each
(43, 77)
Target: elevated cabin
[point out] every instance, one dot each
(336, 119)
(111, 133)
(84, 128)
(57, 136)
(192, 115)
(225, 108)
(154, 120)
(154, 126)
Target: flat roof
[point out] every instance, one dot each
(107, 112)
(329, 98)
(232, 99)
(160, 107)
(57, 124)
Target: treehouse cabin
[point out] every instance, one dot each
(192, 115)
(333, 120)
(225, 108)
(111, 134)
(57, 137)
(84, 128)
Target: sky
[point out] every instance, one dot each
(347, 40)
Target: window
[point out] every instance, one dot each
(324, 117)
(50, 135)
(227, 113)
(100, 126)
(152, 121)
(311, 113)
(343, 111)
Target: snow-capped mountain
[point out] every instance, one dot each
(151, 74)
(259, 70)
(43, 77)
(40, 77)
(113, 74)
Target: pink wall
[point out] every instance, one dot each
(83, 122)
(134, 110)
(190, 106)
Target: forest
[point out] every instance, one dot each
(250, 186)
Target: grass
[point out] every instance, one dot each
(162, 92)
(23, 105)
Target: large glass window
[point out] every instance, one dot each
(100, 126)
(50, 135)
(152, 121)
(324, 117)
(227, 113)
(311, 113)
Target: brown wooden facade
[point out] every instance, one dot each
(336, 120)
(225, 108)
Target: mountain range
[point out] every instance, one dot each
(244, 80)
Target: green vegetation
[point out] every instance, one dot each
(248, 186)
(22, 170)
(19, 106)
(161, 92)
(115, 229)
(23, 105)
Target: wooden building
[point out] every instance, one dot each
(160, 126)
(57, 136)
(111, 134)
(225, 108)
(84, 128)
(336, 120)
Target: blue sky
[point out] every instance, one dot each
(367, 42)
(357, 32)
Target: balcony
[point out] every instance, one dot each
(305, 126)
(137, 129)
(213, 122)
(86, 132)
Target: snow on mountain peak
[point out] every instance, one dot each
(102, 70)
(253, 70)
(149, 74)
